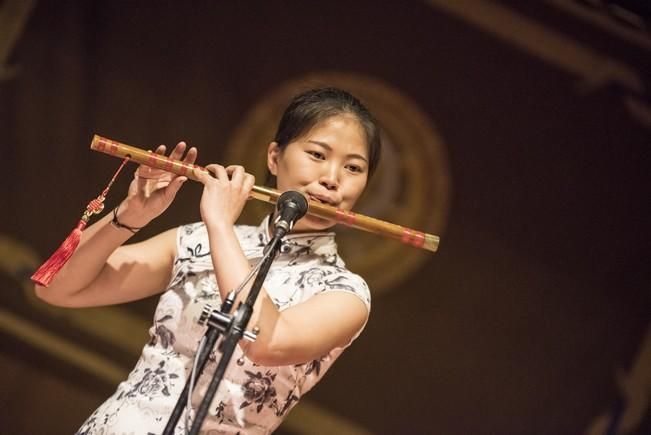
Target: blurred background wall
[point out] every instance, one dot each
(518, 131)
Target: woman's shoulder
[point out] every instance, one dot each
(340, 278)
(322, 277)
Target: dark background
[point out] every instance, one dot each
(539, 294)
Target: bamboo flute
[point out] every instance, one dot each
(405, 235)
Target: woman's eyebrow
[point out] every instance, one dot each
(329, 148)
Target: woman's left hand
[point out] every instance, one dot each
(225, 194)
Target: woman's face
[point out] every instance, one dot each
(329, 164)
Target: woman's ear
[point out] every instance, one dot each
(273, 153)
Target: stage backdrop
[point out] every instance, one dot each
(517, 131)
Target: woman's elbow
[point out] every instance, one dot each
(51, 297)
(262, 355)
(42, 293)
(275, 354)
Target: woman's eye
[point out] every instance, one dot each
(354, 168)
(316, 154)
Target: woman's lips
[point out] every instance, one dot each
(321, 199)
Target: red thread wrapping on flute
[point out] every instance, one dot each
(187, 168)
(349, 217)
(340, 215)
(151, 160)
(180, 167)
(345, 217)
(406, 235)
(158, 162)
(419, 239)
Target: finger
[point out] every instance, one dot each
(160, 149)
(219, 171)
(178, 151)
(231, 169)
(214, 171)
(174, 186)
(190, 156)
(236, 174)
(204, 174)
(249, 182)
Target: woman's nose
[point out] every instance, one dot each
(330, 177)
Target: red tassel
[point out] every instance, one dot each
(44, 275)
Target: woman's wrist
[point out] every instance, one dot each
(127, 216)
(219, 226)
(119, 225)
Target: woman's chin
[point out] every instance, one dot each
(312, 223)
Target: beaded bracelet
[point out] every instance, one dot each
(117, 224)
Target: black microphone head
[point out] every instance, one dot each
(291, 206)
(298, 202)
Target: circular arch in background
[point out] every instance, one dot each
(411, 186)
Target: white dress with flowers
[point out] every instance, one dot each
(251, 399)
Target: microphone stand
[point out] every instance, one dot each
(211, 336)
(234, 331)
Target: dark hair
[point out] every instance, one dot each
(308, 109)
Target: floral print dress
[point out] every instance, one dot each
(251, 399)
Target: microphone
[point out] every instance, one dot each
(292, 206)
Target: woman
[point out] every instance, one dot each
(310, 308)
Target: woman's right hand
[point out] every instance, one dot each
(153, 190)
(224, 194)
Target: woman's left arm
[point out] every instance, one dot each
(308, 330)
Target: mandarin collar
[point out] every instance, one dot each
(321, 243)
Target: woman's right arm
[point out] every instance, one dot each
(102, 271)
